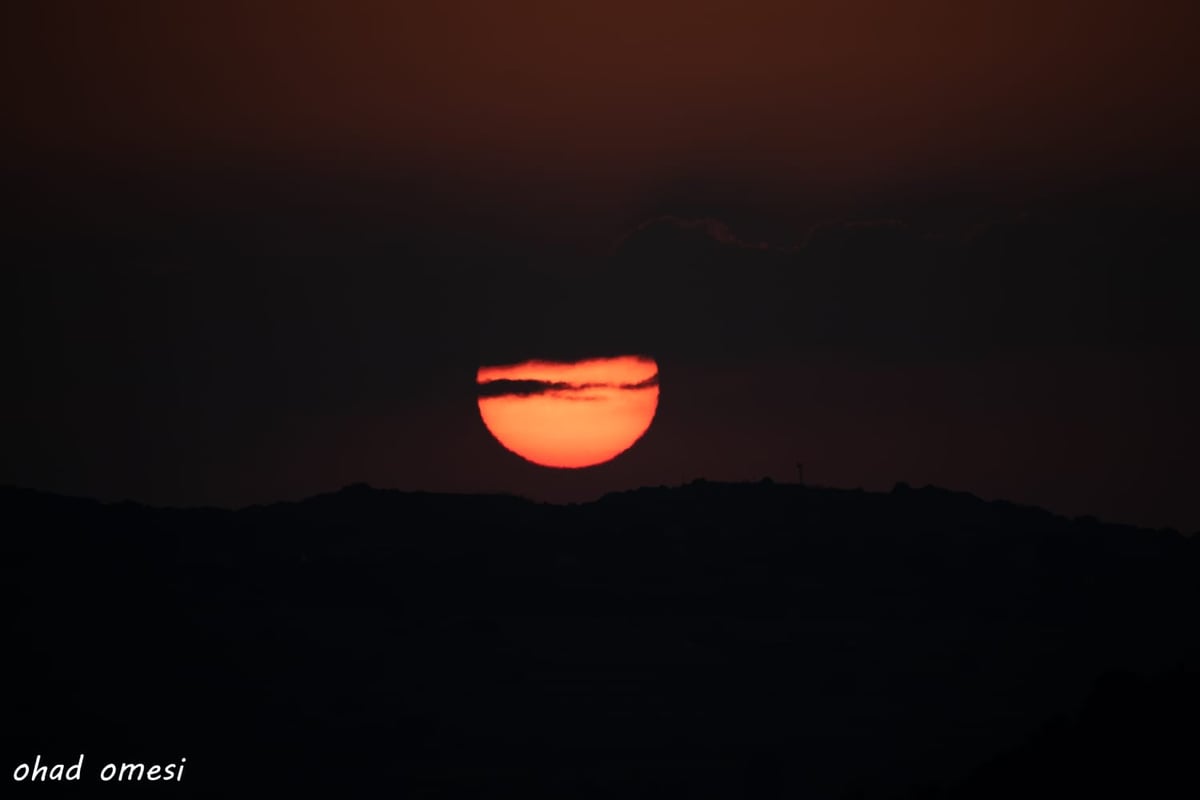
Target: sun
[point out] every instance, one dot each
(569, 414)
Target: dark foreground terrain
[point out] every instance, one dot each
(710, 640)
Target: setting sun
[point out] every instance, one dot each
(569, 414)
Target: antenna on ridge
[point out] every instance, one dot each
(800, 471)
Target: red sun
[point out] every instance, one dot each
(569, 414)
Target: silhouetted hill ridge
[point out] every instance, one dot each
(361, 498)
(712, 639)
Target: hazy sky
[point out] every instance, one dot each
(258, 250)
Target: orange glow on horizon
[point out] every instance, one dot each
(571, 415)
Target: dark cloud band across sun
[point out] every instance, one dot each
(523, 388)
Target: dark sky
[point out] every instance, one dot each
(257, 250)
